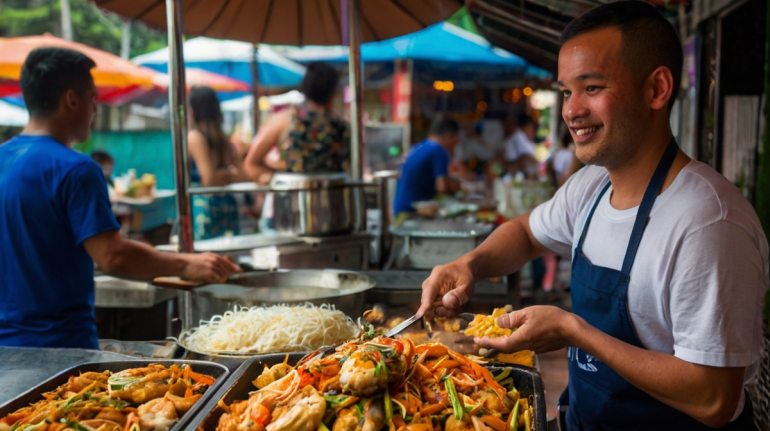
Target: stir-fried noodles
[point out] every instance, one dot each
(278, 328)
(136, 399)
(382, 384)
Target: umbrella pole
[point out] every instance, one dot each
(356, 89)
(178, 110)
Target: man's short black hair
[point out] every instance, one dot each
(101, 157)
(649, 40)
(320, 83)
(48, 73)
(443, 126)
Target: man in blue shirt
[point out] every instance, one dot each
(424, 173)
(56, 219)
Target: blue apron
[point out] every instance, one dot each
(600, 399)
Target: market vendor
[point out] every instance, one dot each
(424, 173)
(669, 261)
(55, 216)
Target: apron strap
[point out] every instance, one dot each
(643, 214)
(590, 216)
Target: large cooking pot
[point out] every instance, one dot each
(317, 204)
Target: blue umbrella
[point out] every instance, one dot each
(231, 59)
(445, 47)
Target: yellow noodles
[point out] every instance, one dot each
(486, 326)
(278, 328)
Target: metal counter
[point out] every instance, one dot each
(24, 367)
(116, 292)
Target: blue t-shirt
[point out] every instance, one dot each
(426, 162)
(51, 200)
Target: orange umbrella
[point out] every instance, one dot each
(194, 76)
(112, 74)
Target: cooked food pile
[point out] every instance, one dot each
(486, 325)
(381, 384)
(278, 328)
(148, 398)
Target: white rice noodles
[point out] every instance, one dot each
(278, 328)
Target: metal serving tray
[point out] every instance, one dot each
(238, 386)
(219, 372)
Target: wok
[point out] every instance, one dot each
(345, 290)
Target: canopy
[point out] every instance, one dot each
(444, 48)
(296, 22)
(114, 77)
(232, 59)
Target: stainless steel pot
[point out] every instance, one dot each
(317, 204)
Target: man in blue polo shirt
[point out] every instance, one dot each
(56, 219)
(424, 173)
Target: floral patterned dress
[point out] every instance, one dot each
(318, 142)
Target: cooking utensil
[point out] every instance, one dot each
(403, 325)
(176, 283)
(181, 283)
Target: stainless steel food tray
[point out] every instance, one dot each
(34, 394)
(238, 386)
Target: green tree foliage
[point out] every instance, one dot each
(90, 25)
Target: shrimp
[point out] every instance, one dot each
(362, 374)
(370, 367)
(491, 401)
(101, 425)
(303, 411)
(372, 420)
(139, 385)
(157, 415)
(84, 380)
(182, 404)
(272, 374)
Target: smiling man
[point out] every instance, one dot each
(669, 262)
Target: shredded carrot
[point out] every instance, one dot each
(432, 409)
(493, 421)
(202, 378)
(260, 414)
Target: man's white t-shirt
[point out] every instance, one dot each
(698, 282)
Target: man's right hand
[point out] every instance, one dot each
(208, 268)
(447, 289)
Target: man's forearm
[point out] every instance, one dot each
(136, 260)
(708, 394)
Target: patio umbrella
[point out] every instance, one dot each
(114, 77)
(232, 59)
(297, 22)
